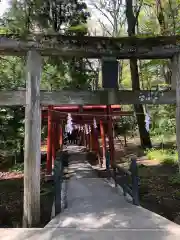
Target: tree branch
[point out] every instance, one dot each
(100, 9)
(105, 28)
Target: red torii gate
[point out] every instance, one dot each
(57, 117)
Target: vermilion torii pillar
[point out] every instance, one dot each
(91, 138)
(95, 143)
(49, 142)
(53, 143)
(103, 142)
(110, 134)
(57, 135)
(61, 133)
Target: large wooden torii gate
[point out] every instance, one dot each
(39, 45)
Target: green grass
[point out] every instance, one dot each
(164, 156)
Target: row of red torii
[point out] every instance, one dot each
(82, 116)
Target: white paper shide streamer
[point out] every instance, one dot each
(89, 129)
(69, 126)
(147, 122)
(94, 123)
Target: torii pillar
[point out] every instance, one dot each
(49, 143)
(61, 133)
(103, 143)
(54, 142)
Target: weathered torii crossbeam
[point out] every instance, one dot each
(92, 47)
(101, 97)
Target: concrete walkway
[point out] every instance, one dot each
(97, 211)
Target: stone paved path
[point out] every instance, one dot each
(97, 211)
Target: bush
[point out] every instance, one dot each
(164, 156)
(175, 180)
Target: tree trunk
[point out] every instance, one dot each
(144, 135)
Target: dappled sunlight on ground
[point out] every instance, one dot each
(10, 175)
(88, 220)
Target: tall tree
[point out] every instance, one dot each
(67, 17)
(53, 16)
(111, 17)
(132, 20)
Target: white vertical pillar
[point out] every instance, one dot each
(32, 154)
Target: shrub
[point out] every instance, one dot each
(175, 179)
(164, 156)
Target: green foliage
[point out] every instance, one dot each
(124, 125)
(82, 28)
(164, 156)
(177, 194)
(163, 121)
(11, 73)
(59, 16)
(12, 131)
(174, 180)
(19, 167)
